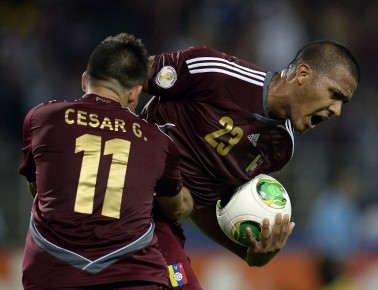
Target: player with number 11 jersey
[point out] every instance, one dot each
(97, 177)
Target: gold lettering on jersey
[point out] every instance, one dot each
(67, 116)
(93, 120)
(106, 123)
(83, 118)
(136, 130)
(91, 147)
(228, 128)
(119, 125)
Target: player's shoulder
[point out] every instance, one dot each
(54, 103)
(205, 55)
(52, 106)
(48, 104)
(201, 51)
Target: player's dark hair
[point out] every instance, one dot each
(122, 58)
(322, 55)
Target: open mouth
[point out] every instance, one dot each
(315, 120)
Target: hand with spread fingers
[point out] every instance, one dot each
(270, 243)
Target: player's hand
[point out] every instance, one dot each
(261, 252)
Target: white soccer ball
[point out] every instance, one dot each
(262, 197)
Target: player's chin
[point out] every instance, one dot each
(305, 130)
(301, 128)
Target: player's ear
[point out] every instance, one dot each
(134, 97)
(304, 73)
(84, 81)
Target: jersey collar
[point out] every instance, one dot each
(99, 99)
(268, 79)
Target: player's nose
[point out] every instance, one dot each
(335, 108)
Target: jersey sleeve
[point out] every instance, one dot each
(200, 72)
(27, 167)
(173, 75)
(169, 75)
(171, 182)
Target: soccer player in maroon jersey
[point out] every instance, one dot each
(94, 167)
(233, 120)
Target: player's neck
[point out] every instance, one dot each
(105, 92)
(276, 101)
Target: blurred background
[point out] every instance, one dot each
(332, 178)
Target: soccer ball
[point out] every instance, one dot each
(262, 197)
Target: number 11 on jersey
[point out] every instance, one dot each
(91, 146)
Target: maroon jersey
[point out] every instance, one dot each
(97, 167)
(216, 107)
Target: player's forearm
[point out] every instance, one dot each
(185, 207)
(187, 203)
(205, 220)
(177, 208)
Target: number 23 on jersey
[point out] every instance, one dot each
(236, 134)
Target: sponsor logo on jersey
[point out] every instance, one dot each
(253, 138)
(98, 99)
(253, 165)
(166, 77)
(177, 275)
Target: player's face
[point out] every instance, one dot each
(321, 98)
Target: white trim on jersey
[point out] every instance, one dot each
(199, 59)
(205, 70)
(289, 128)
(83, 263)
(237, 71)
(226, 66)
(164, 129)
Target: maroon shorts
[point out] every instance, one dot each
(171, 241)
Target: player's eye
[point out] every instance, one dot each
(341, 97)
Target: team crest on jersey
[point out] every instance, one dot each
(166, 77)
(177, 275)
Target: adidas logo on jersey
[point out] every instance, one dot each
(253, 138)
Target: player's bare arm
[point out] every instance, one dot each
(260, 252)
(177, 207)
